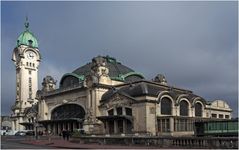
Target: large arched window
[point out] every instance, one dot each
(183, 108)
(69, 81)
(166, 106)
(198, 110)
(68, 111)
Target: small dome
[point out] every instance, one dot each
(27, 38)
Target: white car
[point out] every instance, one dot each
(8, 132)
(11, 132)
(3, 132)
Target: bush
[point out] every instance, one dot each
(78, 133)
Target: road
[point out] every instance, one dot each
(14, 142)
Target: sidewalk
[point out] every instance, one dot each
(60, 143)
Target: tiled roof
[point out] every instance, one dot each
(147, 88)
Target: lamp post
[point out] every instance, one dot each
(36, 133)
(36, 124)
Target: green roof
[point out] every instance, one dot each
(27, 38)
(117, 71)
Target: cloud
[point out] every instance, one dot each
(47, 68)
(194, 44)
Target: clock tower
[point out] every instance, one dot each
(26, 57)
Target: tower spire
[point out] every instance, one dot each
(26, 23)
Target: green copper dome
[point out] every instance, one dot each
(27, 38)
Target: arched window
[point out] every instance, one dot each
(68, 111)
(111, 112)
(183, 108)
(198, 110)
(166, 106)
(70, 81)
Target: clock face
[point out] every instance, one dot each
(30, 55)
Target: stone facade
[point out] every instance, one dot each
(105, 97)
(5, 123)
(130, 106)
(156, 108)
(26, 58)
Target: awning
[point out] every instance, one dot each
(115, 117)
(62, 120)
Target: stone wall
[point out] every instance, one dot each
(163, 142)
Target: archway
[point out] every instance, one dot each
(68, 111)
(67, 116)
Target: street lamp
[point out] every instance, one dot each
(35, 126)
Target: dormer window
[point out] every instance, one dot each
(30, 42)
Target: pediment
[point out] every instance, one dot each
(118, 100)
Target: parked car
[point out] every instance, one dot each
(30, 133)
(21, 133)
(11, 132)
(8, 132)
(3, 132)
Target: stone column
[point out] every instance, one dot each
(171, 124)
(13, 125)
(54, 128)
(59, 127)
(68, 126)
(74, 126)
(107, 127)
(93, 100)
(124, 126)
(49, 127)
(160, 122)
(115, 126)
(21, 127)
(64, 126)
(123, 111)
(176, 124)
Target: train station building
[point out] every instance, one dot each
(104, 97)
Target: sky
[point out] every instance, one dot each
(194, 44)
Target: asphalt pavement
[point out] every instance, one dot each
(14, 142)
(27, 142)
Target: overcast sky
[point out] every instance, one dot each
(194, 44)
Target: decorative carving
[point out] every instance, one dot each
(152, 110)
(99, 61)
(90, 80)
(118, 101)
(99, 67)
(64, 101)
(89, 116)
(161, 79)
(48, 84)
